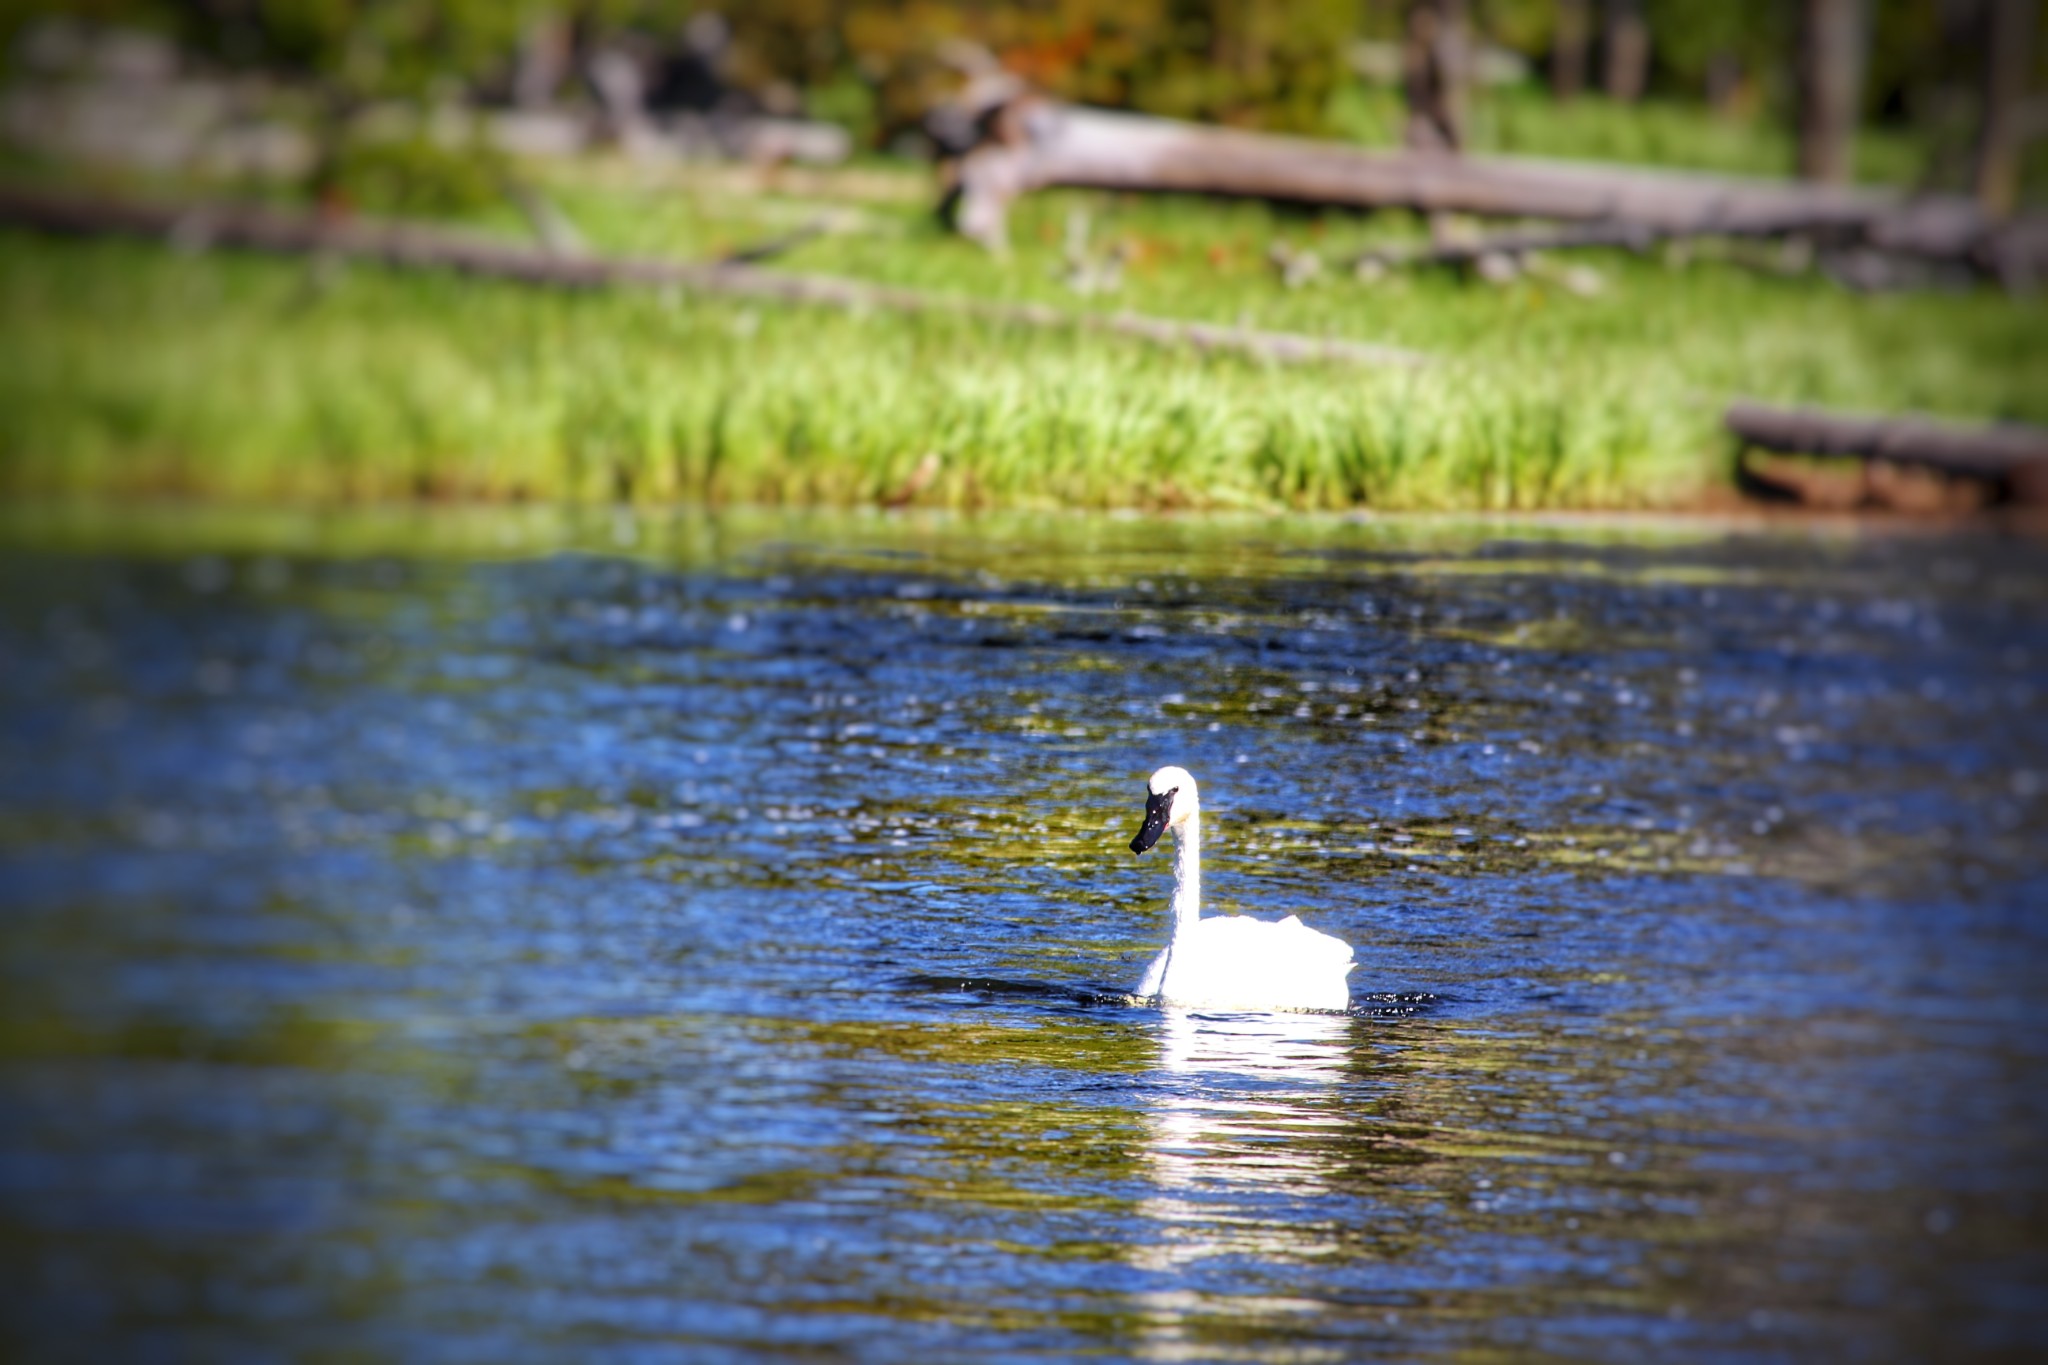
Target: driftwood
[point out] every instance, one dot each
(1031, 143)
(414, 246)
(769, 248)
(1518, 243)
(1504, 255)
(2011, 458)
(551, 227)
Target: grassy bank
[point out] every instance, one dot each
(134, 370)
(1523, 120)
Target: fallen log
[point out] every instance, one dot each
(779, 245)
(1032, 143)
(414, 246)
(2011, 458)
(1862, 486)
(1630, 236)
(1865, 269)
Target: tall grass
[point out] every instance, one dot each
(129, 370)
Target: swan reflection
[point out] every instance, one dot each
(1240, 1118)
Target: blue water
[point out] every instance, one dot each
(506, 936)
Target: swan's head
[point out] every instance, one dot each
(1170, 802)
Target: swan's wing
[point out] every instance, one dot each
(1316, 941)
(1288, 936)
(1264, 963)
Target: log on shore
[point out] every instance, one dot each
(1033, 143)
(1863, 268)
(415, 246)
(1628, 236)
(2010, 457)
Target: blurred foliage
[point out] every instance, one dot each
(416, 176)
(1266, 63)
(1522, 120)
(362, 49)
(876, 65)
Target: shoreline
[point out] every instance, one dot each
(138, 372)
(439, 528)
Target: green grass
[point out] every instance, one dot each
(128, 370)
(1525, 121)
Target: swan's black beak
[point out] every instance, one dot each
(1157, 809)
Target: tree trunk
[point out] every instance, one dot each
(2008, 53)
(545, 58)
(1434, 68)
(1628, 50)
(1724, 82)
(1831, 45)
(1568, 50)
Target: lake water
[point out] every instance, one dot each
(506, 936)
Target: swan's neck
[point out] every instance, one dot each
(1187, 874)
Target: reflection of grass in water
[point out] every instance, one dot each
(1078, 831)
(1080, 1142)
(129, 371)
(1055, 1039)
(33, 1029)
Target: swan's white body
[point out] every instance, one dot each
(1231, 962)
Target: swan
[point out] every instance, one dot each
(1229, 962)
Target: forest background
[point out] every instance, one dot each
(136, 371)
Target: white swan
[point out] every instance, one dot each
(1229, 962)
